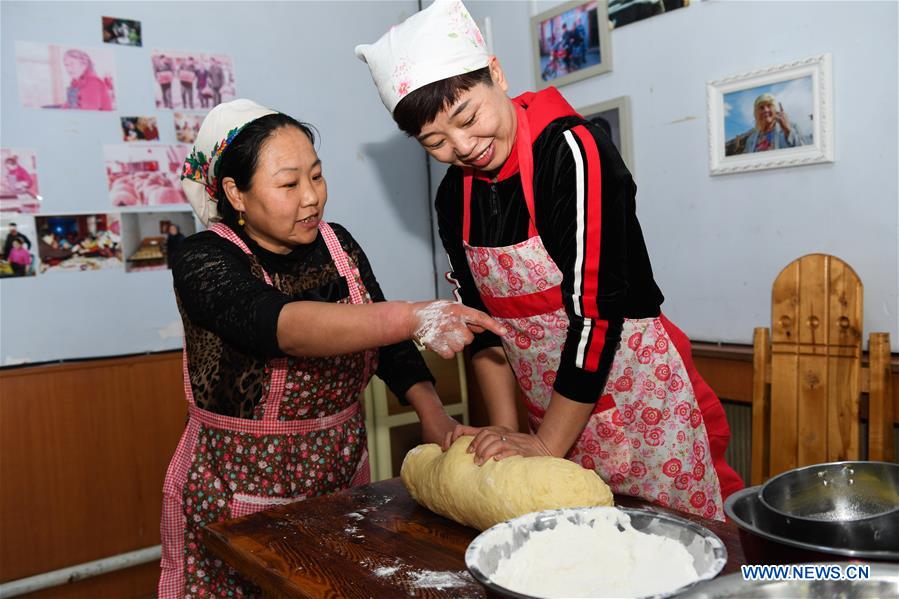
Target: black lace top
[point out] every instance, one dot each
(230, 314)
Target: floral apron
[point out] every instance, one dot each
(306, 437)
(658, 431)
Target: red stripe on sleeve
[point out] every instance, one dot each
(593, 224)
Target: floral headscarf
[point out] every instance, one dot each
(199, 175)
(438, 42)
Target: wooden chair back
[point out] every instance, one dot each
(808, 377)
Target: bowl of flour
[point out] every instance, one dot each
(594, 552)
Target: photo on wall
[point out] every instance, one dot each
(139, 128)
(614, 117)
(624, 12)
(18, 186)
(770, 118)
(571, 42)
(145, 174)
(123, 32)
(79, 242)
(192, 80)
(187, 125)
(151, 239)
(65, 77)
(18, 238)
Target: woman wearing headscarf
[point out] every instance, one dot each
(86, 90)
(284, 324)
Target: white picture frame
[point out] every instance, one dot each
(617, 113)
(586, 58)
(741, 106)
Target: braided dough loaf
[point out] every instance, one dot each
(451, 485)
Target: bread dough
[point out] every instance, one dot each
(452, 485)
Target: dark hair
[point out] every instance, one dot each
(424, 104)
(240, 158)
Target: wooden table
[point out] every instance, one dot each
(371, 541)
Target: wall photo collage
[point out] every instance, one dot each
(148, 215)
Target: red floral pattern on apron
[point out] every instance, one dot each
(647, 435)
(307, 437)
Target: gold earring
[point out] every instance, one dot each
(240, 220)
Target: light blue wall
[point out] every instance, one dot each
(296, 57)
(717, 243)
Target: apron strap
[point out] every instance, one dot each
(342, 262)
(526, 174)
(277, 366)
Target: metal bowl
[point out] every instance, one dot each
(500, 541)
(854, 505)
(764, 544)
(883, 582)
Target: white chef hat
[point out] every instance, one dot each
(438, 42)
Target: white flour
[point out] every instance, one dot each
(440, 580)
(434, 321)
(386, 570)
(596, 561)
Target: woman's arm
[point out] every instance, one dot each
(497, 383)
(435, 422)
(218, 292)
(325, 329)
(498, 387)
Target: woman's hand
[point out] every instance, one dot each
(781, 117)
(446, 327)
(498, 442)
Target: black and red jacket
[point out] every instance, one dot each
(572, 172)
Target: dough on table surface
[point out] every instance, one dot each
(452, 485)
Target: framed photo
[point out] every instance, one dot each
(571, 42)
(772, 118)
(614, 116)
(624, 12)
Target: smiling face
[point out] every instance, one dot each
(478, 130)
(287, 195)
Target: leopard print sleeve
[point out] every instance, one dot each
(223, 291)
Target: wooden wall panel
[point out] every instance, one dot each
(83, 452)
(84, 447)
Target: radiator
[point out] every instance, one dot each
(739, 452)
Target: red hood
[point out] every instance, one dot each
(541, 108)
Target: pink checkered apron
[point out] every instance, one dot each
(658, 431)
(307, 437)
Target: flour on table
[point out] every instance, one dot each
(386, 570)
(432, 579)
(596, 560)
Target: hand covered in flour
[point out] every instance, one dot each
(497, 442)
(446, 327)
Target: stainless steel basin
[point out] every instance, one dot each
(851, 505)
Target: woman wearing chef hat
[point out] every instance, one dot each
(537, 215)
(284, 325)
